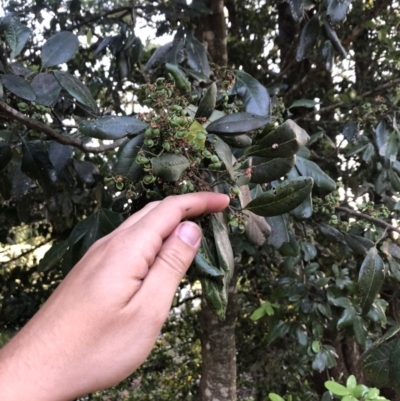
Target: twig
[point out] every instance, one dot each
(51, 133)
(375, 220)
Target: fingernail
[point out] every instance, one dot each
(189, 233)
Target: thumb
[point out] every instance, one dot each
(169, 267)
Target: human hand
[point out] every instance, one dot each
(102, 321)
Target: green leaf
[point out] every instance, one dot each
(265, 170)
(332, 36)
(204, 268)
(351, 382)
(237, 123)
(394, 179)
(53, 256)
(360, 390)
(59, 49)
(278, 330)
(215, 295)
(169, 167)
(286, 197)
(158, 56)
(223, 246)
(258, 313)
(237, 141)
(76, 89)
(207, 103)
(360, 331)
(173, 56)
(275, 397)
(109, 127)
(46, 88)
(336, 388)
(391, 147)
(17, 36)
(308, 38)
(359, 245)
(196, 55)
(346, 318)
(337, 10)
(198, 76)
(297, 9)
(6, 155)
(126, 159)
(225, 154)
(80, 230)
(351, 131)
(308, 168)
(320, 361)
(315, 346)
(303, 103)
(291, 247)
(284, 141)
(304, 210)
(37, 166)
(370, 279)
(59, 155)
(327, 54)
(182, 84)
(18, 86)
(349, 398)
(254, 95)
(279, 234)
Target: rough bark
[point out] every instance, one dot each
(218, 374)
(211, 31)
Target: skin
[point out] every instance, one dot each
(102, 321)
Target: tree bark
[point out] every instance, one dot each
(211, 31)
(218, 373)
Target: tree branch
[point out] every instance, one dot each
(36, 125)
(379, 222)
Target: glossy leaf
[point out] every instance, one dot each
(275, 397)
(304, 210)
(18, 86)
(173, 56)
(169, 167)
(370, 279)
(327, 54)
(297, 9)
(59, 155)
(196, 55)
(237, 141)
(76, 89)
(17, 36)
(225, 154)
(279, 234)
(382, 133)
(109, 127)
(126, 159)
(284, 141)
(359, 245)
(255, 96)
(198, 76)
(309, 103)
(237, 124)
(158, 56)
(80, 230)
(351, 131)
(103, 45)
(181, 82)
(332, 36)
(53, 256)
(286, 197)
(46, 88)
(215, 295)
(308, 38)
(360, 331)
(308, 168)
(337, 10)
(85, 170)
(59, 49)
(207, 103)
(392, 147)
(204, 268)
(266, 170)
(336, 388)
(6, 155)
(37, 165)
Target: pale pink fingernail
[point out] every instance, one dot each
(189, 233)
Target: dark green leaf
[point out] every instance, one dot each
(392, 147)
(18, 86)
(278, 330)
(297, 9)
(266, 170)
(351, 131)
(198, 76)
(223, 246)
(332, 36)
(215, 295)
(394, 372)
(359, 245)
(85, 170)
(181, 82)
(173, 55)
(319, 362)
(36, 165)
(327, 54)
(80, 230)
(59, 49)
(254, 95)
(290, 248)
(76, 89)
(284, 141)
(286, 197)
(237, 141)
(47, 89)
(6, 155)
(331, 232)
(205, 269)
(360, 330)
(279, 232)
(59, 155)
(304, 210)
(308, 38)
(196, 55)
(158, 56)
(394, 179)
(169, 167)
(207, 103)
(237, 123)
(17, 36)
(370, 279)
(303, 103)
(103, 44)
(224, 153)
(337, 10)
(308, 168)
(109, 127)
(53, 256)
(126, 159)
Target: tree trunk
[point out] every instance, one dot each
(211, 31)
(218, 372)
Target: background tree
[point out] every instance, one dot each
(315, 288)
